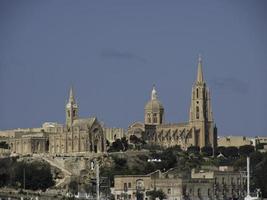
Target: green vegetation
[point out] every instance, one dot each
(119, 145)
(156, 194)
(183, 161)
(33, 175)
(4, 145)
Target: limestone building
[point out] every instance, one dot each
(79, 134)
(235, 141)
(215, 183)
(200, 129)
(112, 134)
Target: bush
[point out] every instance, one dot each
(193, 149)
(37, 175)
(207, 151)
(156, 194)
(245, 150)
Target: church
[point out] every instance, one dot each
(200, 130)
(77, 135)
(87, 135)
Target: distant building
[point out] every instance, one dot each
(235, 141)
(199, 131)
(112, 134)
(215, 183)
(76, 136)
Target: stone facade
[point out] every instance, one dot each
(216, 183)
(112, 134)
(235, 141)
(29, 143)
(78, 135)
(199, 131)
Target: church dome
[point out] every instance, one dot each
(154, 104)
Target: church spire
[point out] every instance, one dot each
(71, 96)
(154, 95)
(71, 109)
(199, 70)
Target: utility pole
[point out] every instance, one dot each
(97, 181)
(248, 177)
(24, 178)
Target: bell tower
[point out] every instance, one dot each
(154, 111)
(71, 109)
(200, 116)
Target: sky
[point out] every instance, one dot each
(112, 52)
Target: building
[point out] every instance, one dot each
(200, 129)
(235, 141)
(29, 143)
(213, 183)
(112, 134)
(78, 135)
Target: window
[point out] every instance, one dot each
(223, 180)
(149, 118)
(197, 92)
(169, 191)
(198, 192)
(125, 187)
(129, 185)
(155, 120)
(197, 112)
(118, 196)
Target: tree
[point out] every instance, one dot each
(259, 176)
(119, 145)
(37, 175)
(207, 150)
(4, 145)
(245, 150)
(193, 149)
(231, 152)
(156, 194)
(220, 150)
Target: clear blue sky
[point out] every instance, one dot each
(112, 52)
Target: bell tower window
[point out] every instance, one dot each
(197, 93)
(197, 112)
(148, 118)
(155, 120)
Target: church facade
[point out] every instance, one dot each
(88, 134)
(78, 135)
(199, 131)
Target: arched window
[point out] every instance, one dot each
(197, 93)
(155, 120)
(148, 118)
(197, 112)
(199, 192)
